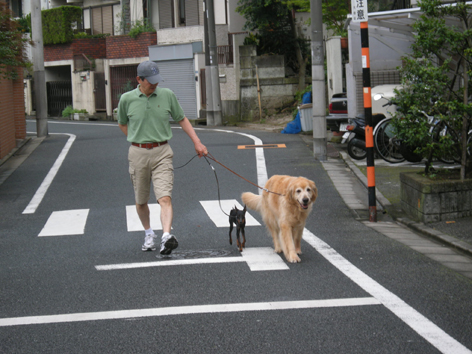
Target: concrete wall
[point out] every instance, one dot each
(180, 35)
(82, 91)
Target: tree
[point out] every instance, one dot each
(335, 15)
(12, 45)
(436, 80)
(276, 31)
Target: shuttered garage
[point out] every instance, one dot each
(179, 76)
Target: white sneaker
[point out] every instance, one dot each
(168, 243)
(149, 243)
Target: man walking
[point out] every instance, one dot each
(143, 116)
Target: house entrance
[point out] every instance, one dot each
(59, 94)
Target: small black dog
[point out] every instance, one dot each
(238, 217)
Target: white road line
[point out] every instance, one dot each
(177, 262)
(419, 323)
(133, 222)
(188, 310)
(66, 222)
(257, 259)
(39, 195)
(263, 258)
(212, 208)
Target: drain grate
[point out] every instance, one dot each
(192, 254)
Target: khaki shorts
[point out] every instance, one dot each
(151, 165)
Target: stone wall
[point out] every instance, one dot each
(275, 89)
(428, 200)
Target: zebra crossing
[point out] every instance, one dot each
(73, 222)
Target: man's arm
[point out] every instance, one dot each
(187, 128)
(124, 128)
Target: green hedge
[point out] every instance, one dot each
(57, 24)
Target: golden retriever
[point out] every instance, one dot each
(285, 213)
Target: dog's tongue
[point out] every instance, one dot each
(304, 206)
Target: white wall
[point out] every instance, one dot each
(235, 20)
(334, 66)
(82, 91)
(180, 35)
(219, 8)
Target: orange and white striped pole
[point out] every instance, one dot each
(369, 130)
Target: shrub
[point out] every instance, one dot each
(70, 110)
(57, 23)
(141, 27)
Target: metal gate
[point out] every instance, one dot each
(179, 76)
(99, 91)
(59, 96)
(122, 79)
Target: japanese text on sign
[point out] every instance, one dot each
(359, 10)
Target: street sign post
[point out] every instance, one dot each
(360, 14)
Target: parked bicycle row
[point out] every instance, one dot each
(392, 148)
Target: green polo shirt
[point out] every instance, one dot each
(147, 118)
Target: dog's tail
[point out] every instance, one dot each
(252, 201)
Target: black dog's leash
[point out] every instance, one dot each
(216, 177)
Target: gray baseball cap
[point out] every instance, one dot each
(150, 71)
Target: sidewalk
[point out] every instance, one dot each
(455, 233)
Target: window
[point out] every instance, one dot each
(102, 20)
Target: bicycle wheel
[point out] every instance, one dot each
(454, 156)
(386, 143)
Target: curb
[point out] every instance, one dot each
(22, 143)
(416, 226)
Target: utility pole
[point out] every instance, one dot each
(212, 76)
(38, 67)
(318, 81)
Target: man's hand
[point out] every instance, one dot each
(201, 149)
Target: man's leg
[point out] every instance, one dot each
(168, 241)
(167, 213)
(143, 213)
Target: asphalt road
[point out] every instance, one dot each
(73, 278)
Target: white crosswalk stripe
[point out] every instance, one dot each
(72, 222)
(133, 222)
(66, 222)
(212, 208)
